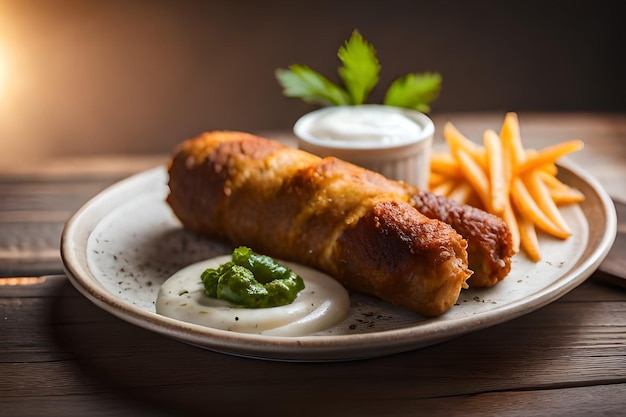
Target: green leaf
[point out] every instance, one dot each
(360, 69)
(414, 91)
(300, 81)
(359, 75)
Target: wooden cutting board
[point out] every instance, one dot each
(614, 265)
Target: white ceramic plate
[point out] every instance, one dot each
(120, 247)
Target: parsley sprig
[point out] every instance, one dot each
(359, 74)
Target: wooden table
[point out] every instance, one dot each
(61, 355)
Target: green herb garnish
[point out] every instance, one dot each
(252, 280)
(359, 74)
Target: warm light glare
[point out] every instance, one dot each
(15, 281)
(3, 71)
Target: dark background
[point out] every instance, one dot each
(126, 76)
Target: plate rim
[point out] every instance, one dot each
(322, 347)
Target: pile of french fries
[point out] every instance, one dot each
(516, 184)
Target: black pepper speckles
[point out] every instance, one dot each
(368, 320)
(477, 299)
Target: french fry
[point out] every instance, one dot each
(510, 219)
(457, 141)
(445, 159)
(475, 175)
(512, 141)
(550, 169)
(445, 164)
(551, 181)
(502, 177)
(462, 193)
(561, 193)
(444, 188)
(540, 194)
(434, 179)
(528, 239)
(548, 155)
(567, 196)
(526, 206)
(497, 180)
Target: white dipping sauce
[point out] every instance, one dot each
(320, 305)
(365, 124)
(393, 141)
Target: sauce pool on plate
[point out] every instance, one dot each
(320, 305)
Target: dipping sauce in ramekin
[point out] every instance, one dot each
(391, 140)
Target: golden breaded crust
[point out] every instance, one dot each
(490, 244)
(350, 222)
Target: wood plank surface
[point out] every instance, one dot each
(36, 201)
(552, 356)
(60, 355)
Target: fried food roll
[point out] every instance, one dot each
(490, 245)
(351, 223)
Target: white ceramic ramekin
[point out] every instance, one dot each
(404, 158)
